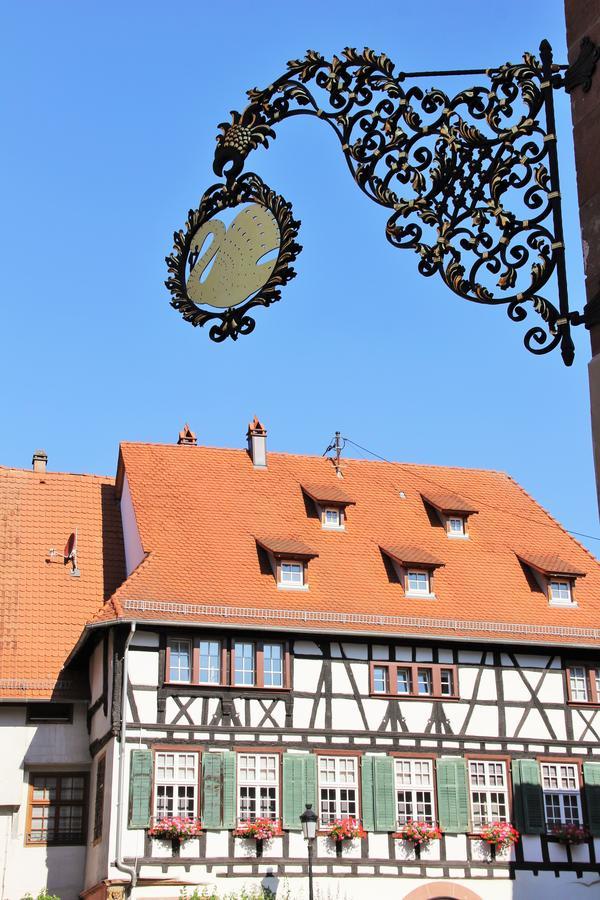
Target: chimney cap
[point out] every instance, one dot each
(39, 461)
(187, 436)
(256, 427)
(40, 454)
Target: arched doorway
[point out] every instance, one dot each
(442, 890)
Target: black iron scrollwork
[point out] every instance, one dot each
(471, 179)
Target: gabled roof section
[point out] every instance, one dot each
(290, 547)
(446, 502)
(551, 564)
(328, 493)
(42, 607)
(199, 514)
(412, 556)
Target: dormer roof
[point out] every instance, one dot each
(447, 502)
(286, 547)
(412, 556)
(327, 493)
(551, 564)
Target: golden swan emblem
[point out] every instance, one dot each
(236, 272)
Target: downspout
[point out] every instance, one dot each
(119, 862)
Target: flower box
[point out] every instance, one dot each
(260, 830)
(570, 834)
(347, 829)
(499, 836)
(176, 829)
(420, 834)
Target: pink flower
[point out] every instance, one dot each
(345, 829)
(499, 835)
(260, 829)
(421, 833)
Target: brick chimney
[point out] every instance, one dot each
(187, 436)
(257, 444)
(39, 461)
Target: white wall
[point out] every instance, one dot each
(134, 552)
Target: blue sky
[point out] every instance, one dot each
(111, 112)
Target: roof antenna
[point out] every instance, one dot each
(338, 445)
(69, 554)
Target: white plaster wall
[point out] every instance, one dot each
(134, 552)
(306, 674)
(143, 667)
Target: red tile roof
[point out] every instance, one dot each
(328, 493)
(42, 607)
(286, 547)
(550, 564)
(198, 510)
(447, 502)
(415, 556)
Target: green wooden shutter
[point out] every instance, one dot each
(229, 789)
(140, 788)
(368, 793)
(591, 777)
(212, 771)
(385, 802)
(528, 798)
(299, 787)
(453, 802)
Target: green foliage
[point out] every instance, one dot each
(42, 895)
(254, 893)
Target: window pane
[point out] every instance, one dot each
(180, 661)
(560, 590)
(578, 683)
(273, 665)
(381, 679)
(424, 681)
(447, 682)
(332, 518)
(403, 681)
(210, 662)
(244, 663)
(258, 780)
(419, 582)
(457, 525)
(291, 573)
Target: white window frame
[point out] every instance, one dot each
(339, 526)
(490, 770)
(339, 767)
(176, 782)
(418, 592)
(582, 681)
(562, 772)
(258, 784)
(210, 670)
(251, 683)
(454, 533)
(291, 585)
(271, 670)
(560, 600)
(386, 669)
(420, 781)
(190, 645)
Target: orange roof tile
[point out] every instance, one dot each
(286, 547)
(447, 502)
(198, 513)
(327, 493)
(42, 607)
(407, 555)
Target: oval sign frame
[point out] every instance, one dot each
(234, 320)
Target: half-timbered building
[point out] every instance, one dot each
(245, 632)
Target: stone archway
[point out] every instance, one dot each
(442, 890)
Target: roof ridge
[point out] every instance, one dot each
(115, 600)
(54, 474)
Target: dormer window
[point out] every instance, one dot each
(289, 559)
(554, 576)
(291, 574)
(452, 511)
(414, 568)
(418, 582)
(330, 503)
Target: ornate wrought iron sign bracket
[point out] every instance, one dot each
(471, 182)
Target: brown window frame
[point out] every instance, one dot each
(194, 643)
(413, 667)
(35, 804)
(590, 674)
(99, 799)
(259, 668)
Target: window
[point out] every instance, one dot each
(456, 526)
(414, 680)
(210, 662)
(489, 796)
(258, 786)
(99, 798)
(560, 592)
(338, 788)
(261, 664)
(291, 574)
(180, 660)
(414, 790)
(418, 582)
(245, 667)
(583, 684)
(562, 801)
(381, 679)
(57, 804)
(333, 518)
(175, 784)
(42, 713)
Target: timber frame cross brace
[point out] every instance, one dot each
(471, 180)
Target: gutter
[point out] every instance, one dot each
(119, 861)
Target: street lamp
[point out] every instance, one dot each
(309, 830)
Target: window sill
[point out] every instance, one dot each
(292, 587)
(458, 537)
(333, 527)
(417, 595)
(388, 696)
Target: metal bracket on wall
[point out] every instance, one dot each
(471, 179)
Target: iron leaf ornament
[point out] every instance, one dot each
(471, 180)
